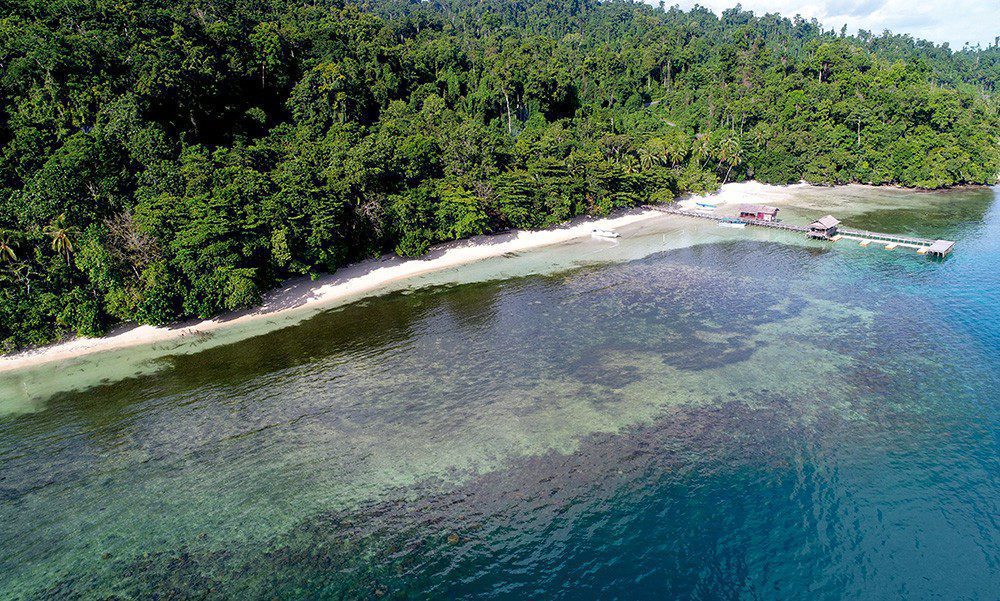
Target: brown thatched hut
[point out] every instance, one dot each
(824, 228)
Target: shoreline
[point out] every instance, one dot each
(367, 277)
(354, 280)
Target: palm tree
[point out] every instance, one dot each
(647, 157)
(730, 151)
(702, 148)
(6, 251)
(675, 149)
(733, 161)
(656, 151)
(60, 231)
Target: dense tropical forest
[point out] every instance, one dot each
(166, 159)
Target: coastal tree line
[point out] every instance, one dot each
(168, 159)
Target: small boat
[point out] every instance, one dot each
(732, 222)
(599, 233)
(707, 205)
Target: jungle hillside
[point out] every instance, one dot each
(167, 159)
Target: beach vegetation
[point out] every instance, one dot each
(172, 159)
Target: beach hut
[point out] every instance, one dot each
(758, 212)
(824, 228)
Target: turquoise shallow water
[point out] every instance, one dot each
(747, 416)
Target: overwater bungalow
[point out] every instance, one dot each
(823, 228)
(758, 212)
(940, 248)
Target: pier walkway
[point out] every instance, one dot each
(910, 241)
(778, 225)
(923, 245)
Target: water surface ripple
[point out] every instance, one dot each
(745, 417)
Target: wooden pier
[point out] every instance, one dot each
(924, 246)
(886, 238)
(778, 225)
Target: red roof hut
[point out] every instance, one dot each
(758, 212)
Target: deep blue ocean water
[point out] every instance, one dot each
(738, 419)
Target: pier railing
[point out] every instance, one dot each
(920, 243)
(882, 237)
(778, 225)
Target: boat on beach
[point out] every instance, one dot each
(602, 233)
(706, 205)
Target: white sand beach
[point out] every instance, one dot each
(374, 274)
(745, 193)
(349, 281)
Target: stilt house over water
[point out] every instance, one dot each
(940, 248)
(758, 212)
(824, 228)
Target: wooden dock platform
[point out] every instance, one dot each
(886, 238)
(923, 246)
(778, 225)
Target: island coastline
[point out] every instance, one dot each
(371, 276)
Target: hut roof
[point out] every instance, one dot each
(759, 209)
(825, 222)
(941, 246)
